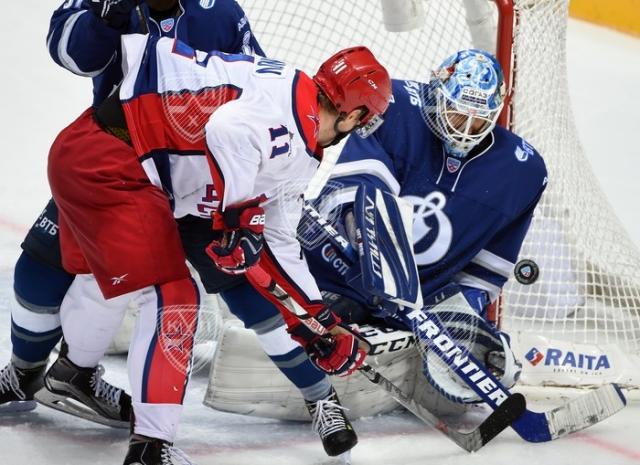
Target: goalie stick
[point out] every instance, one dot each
(470, 441)
(575, 415)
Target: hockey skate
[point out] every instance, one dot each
(17, 387)
(82, 392)
(331, 423)
(150, 451)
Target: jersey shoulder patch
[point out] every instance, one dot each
(523, 163)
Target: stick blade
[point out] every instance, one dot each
(586, 410)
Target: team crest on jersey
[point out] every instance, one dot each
(189, 111)
(432, 229)
(167, 24)
(453, 164)
(207, 4)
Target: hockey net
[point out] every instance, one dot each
(588, 290)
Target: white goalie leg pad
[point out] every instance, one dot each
(244, 380)
(428, 396)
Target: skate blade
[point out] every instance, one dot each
(18, 406)
(75, 408)
(346, 457)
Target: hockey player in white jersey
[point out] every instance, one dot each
(200, 132)
(84, 38)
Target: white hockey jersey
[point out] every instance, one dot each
(247, 123)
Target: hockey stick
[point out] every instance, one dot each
(144, 29)
(573, 416)
(471, 441)
(570, 417)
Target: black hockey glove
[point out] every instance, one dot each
(115, 13)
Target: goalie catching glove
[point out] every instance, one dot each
(337, 352)
(242, 241)
(470, 331)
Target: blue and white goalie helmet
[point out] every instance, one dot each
(463, 100)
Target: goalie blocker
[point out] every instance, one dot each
(375, 266)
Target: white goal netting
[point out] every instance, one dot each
(589, 286)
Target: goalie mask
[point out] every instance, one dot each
(463, 100)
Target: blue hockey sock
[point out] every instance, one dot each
(261, 316)
(31, 349)
(295, 365)
(35, 320)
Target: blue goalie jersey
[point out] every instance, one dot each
(82, 43)
(470, 215)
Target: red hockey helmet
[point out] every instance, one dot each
(353, 78)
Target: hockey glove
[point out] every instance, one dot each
(242, 226)
(115, 13)
(335, 353)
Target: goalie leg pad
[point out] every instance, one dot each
(243, 380)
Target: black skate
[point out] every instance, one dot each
(17, 387)
(331, 423)
(82, 392)
(150, 451)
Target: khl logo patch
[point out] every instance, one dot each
(453, 164)
(167, 24)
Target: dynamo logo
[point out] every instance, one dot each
(207, 4)
(432, 229)
(453, 164)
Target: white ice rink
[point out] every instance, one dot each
(38, 99)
